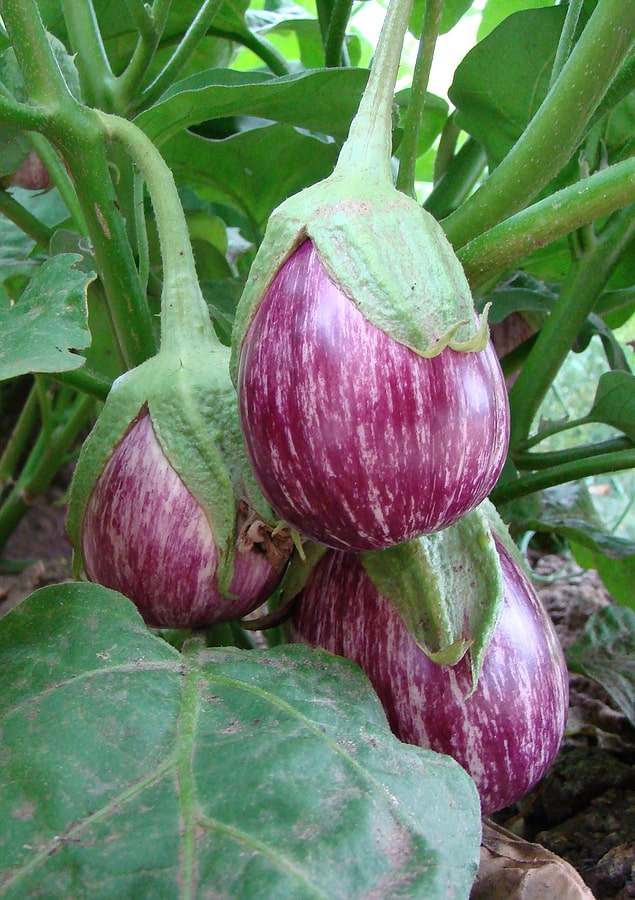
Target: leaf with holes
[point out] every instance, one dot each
(147, 772)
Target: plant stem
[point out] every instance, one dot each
(368, 148)
(567, 37)
(569, 471)
(42, 465)
(258, 46)
(25, 220)
(95, 74)
(585, 281)
(20, 435)
(189, 42)
(420, 77)
(184, 313)
(150, 24)
(530, 462)
(592, 198)
(457, 180)
(335, 41)
(61, 179)
(86, 380)
(557, 127)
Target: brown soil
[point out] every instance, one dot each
(583, 811)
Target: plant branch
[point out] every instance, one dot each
(569, 471)
(150, 24)
(335, 41)
(25, 220)
(567, 38)
(182, 297)
(586, 280)
(420, 77)
(530, 462)
(95, 74)
(592, 198)
(20, 435)
(557, 127)
(189, 42)
(458, 179)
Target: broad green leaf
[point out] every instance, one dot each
(522, 294)
(568, 510)
(502, 81)
(323, 101)
(47, 322)
(131, 770)
(253, 171)
(605, 652)
(614, 402)
(618, 575)
(495, 11)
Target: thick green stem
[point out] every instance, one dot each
(187, 45)
(587, 200)
(44, 82)
(19, 115)
(25, 220)
(43, 463)
(86, 380)
(570, 471)
(586, 280)
(262, 48)
(334, 44)
(184, 313)
(557, 127)
(420, 77)
(96, 76)
(368, 147)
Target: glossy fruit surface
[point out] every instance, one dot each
(507, 732)
(357, 441)
(145, 535)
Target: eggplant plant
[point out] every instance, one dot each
(260, 305)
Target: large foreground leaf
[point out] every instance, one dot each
(131, 770)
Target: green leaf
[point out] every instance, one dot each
(48, 321)
(253, 171)
(614, 402)
(496, 10)
(131, 770)
(323, 101)
(502, 81)
(568, 510)
(618, 575)
(605, 652)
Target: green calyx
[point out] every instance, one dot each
(379, 246)
(446, 587)
(192, 404)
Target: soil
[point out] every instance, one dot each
(584, 809)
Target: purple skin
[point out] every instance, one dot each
(146, 536)
(507, 733)
(357, 441)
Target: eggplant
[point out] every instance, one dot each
(505, 730)
(356, 440)
(145, 535)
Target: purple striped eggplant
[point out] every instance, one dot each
(357, 441)
(372, 403)
(507, 731)
(164, 507)
(145, 535)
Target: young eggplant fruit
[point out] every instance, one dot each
(372, 403)
(504, 728)
(164, 506)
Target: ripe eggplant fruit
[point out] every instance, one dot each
(357, 441)
(145, 535)
(506, 731)
(372, 403)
